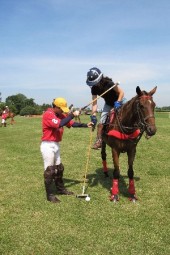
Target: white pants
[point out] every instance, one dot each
(107, 108)
(51, 153)
(105, 111)
(3, 121)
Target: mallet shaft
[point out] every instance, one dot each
(99, 96)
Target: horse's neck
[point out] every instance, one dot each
(129, 113)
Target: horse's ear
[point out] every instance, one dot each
(152, 91)
(138, 91)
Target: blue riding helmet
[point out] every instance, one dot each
(94, 76)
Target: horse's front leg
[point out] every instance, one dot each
(131, 156)
(104, 162)
(116, 174)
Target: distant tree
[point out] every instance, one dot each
(2, 105)
(20, 101)
(29, 102)
(28, 110)
(17, 101)
(45, 107)
(163, 109)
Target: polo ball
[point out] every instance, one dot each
(87, 198)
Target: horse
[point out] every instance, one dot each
(122, 132)
(11, 115)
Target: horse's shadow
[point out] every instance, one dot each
(99, 178)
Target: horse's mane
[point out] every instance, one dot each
(131, 101)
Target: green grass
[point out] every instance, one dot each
(31, 225)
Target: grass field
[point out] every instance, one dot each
(31, 225)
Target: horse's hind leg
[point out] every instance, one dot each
(116, 174)
(12, 121)
(131, 189)
(104, 162)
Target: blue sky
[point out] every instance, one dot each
(47, 47)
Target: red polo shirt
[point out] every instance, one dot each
(50, 126)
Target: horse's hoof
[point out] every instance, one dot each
(133, 198)
(114, 198)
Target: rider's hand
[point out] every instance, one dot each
(76, 113)
(90, 124)
(117, 105)
(93, 119)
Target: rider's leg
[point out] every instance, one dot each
(48, 182)
(50, 150)
(59, 182)
(97, 145)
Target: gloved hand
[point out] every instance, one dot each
(93, 119)
(76, 113)
(117, 105)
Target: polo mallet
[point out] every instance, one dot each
(83, 195)
(117, 83)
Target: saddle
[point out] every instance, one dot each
(116, 133)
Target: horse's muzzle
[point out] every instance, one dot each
(151, 130)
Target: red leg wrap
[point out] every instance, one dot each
(115, 187)
(105, 169)
(131, 187)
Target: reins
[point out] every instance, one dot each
(140, 124)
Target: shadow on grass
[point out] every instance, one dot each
(99, 178)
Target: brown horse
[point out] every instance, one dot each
(11, 115)
(123, 132)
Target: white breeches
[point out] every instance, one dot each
(3, 121)
(51, 153)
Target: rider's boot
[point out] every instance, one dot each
(98, 144)
(58, 179)
(48, 182)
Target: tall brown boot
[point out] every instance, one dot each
(98, 144)
(58, 178)
(48, 182)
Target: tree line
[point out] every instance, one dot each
(19, 104)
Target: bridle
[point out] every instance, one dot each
(141, 123)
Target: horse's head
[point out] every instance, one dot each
(145, 108)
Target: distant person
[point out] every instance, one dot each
(5, 111)
(113, 99)
(53, 122)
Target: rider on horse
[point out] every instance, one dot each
(4, 115)
(113, 98)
